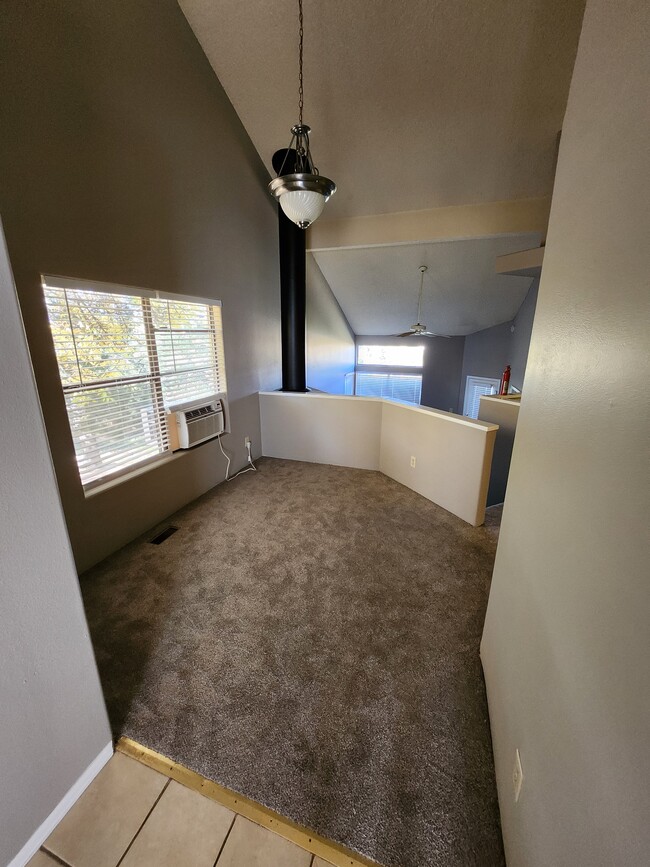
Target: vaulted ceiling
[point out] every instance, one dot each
(378, 287)
(418, 105)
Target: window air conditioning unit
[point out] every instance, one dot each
(189, 424)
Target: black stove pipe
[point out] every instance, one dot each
(293, 295)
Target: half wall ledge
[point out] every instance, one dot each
(452, 453)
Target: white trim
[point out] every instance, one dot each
(438, 240)
(450, 416)
(44, 830)
(52, 282)
(472, 381)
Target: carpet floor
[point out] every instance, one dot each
(309, 637)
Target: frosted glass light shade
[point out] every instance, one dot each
(302, 207)
(302, 196)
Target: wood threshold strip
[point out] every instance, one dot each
(334, 853)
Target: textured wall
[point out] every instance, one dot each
(520, 337)
(487, 352)
(566, 648)
(123, 160)
(330, 340)
(52, 715)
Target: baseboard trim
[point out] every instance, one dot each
(44, 830)
(333, 853)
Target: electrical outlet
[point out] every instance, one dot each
(247, 441)
(413, 461)
(517, 776)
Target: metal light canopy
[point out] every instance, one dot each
(302, 193)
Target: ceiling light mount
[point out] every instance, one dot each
(302, 193)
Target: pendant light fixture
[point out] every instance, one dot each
(302, 193)
(420, 330)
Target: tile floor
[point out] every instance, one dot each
(132, 816)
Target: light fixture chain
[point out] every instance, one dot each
(300, 89)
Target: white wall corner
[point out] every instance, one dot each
(73, 794)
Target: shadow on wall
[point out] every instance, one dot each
(330, 340)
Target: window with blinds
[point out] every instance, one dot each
(124, 356)
(375, 375)
(475, 387)
(396, 386)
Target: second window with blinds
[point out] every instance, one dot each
(391, 371)
(125, 355)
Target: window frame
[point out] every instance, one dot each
(153, 377)
(362, 365)
(471, 381)
(390, 369)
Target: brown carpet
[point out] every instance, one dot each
(309, 637)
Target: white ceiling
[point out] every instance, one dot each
(377, 287)
(413, 105)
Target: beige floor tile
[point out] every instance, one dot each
(42, 859)
(98, 829)
(250, 845)
(184, 828)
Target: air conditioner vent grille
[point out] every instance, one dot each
(191, 414)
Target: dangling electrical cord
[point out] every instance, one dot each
(245, 469)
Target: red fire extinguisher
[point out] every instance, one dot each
(505, 381)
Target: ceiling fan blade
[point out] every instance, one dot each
(431, 334)
(404, 334)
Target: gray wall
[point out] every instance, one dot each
(566, 647)
(330, 340)
(505, 414)
(52, 714)
(122, 160)
(520, 337)
(443, 359)
(488, 352)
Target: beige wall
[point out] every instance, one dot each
(322, 429)
(122, 160)
(453, 454)
(451, 223)
(330, 348)
(566, 648)
(53, 722)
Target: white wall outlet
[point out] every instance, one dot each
(247, 441)
(413, 461)
(517, 776)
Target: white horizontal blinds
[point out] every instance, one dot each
(189, 349)
(122, 358)
(396, 386)
(476, 386)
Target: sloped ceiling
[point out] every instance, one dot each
(413, 105)
(378, 287)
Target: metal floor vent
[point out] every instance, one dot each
(164, 534)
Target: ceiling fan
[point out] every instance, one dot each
(419, 330)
